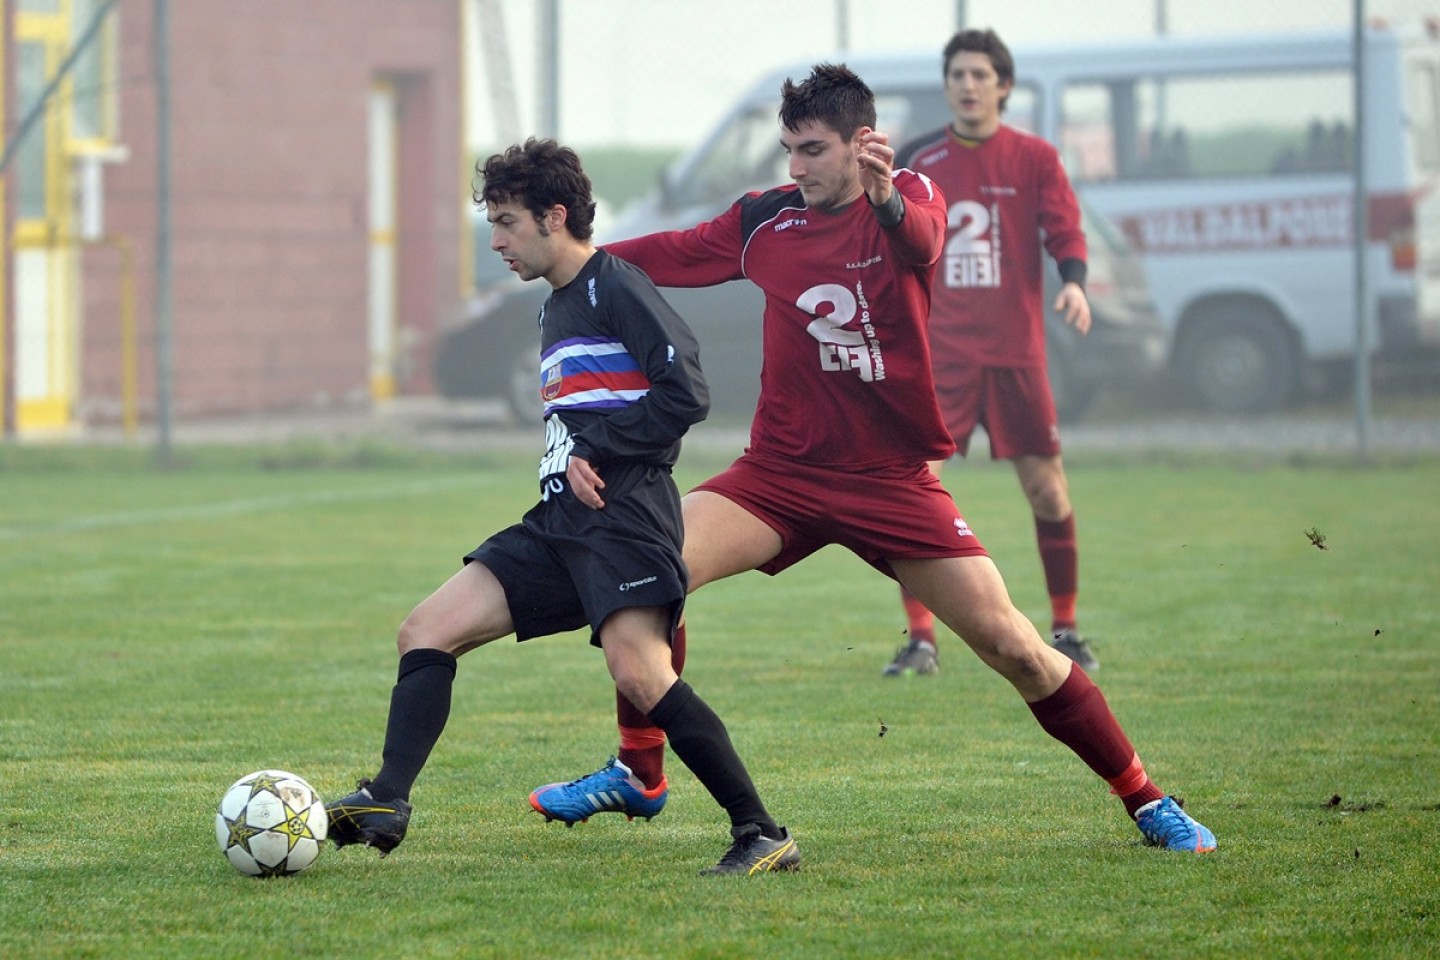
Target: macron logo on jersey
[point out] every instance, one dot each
(787, 224)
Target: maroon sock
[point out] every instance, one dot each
(1060, 558)
(921, 622)
(1078, 716)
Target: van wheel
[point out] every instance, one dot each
(1238, 358)
(522, 390)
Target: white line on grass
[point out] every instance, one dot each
(230, 508)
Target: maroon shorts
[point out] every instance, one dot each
(900, 513)
(1013, 404)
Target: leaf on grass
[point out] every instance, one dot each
(1317, 539)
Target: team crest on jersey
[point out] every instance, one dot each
(550, 381)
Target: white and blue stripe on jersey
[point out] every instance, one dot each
(590, 373)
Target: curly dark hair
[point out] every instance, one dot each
(538, 175)
(832, 95)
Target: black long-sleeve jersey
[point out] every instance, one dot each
(619, 370)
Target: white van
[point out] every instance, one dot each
(1228, 163)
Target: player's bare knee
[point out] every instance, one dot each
(1011, 648)
(1025, 667)
(641, 686)
(410, 635)
(1049, 500)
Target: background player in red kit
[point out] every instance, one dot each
(987, 327)
(845, 428)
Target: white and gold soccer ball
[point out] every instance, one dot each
(271, 824)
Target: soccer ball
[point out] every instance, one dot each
(271, 824)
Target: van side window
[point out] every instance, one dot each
(1208, 126)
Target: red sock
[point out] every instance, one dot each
(642, 744)
(1078, 716)
(1060, 557)
(921, 620)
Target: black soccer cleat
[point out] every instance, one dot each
(753, 852)
(360, 818)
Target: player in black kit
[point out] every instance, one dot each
(621, 381)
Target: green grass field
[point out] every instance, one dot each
(163, 633)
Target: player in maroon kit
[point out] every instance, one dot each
(844, 431)
(987, 330)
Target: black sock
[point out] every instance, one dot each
(419, 709)
(700, 740)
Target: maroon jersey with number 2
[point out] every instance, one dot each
(846, 381)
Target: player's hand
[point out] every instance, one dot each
(1074, 307)
(877, 158)
(586, 482)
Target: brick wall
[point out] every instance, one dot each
(269, 189)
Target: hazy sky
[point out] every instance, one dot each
(660, 72)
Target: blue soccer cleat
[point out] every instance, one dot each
(611, 789)
(1166, 824)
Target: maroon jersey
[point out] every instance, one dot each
(846, 378)
(1002, 192)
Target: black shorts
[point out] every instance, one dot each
(565, 565)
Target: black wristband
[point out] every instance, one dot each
(891, 212)
(1073, 270)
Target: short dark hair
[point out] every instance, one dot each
(832, 95)
(985, 41)
(538, 175)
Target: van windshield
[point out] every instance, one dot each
(746, 154)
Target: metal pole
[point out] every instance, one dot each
(1362, 231)
(842, 25)
(960, 17)
(549, 100)
(163, 318)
